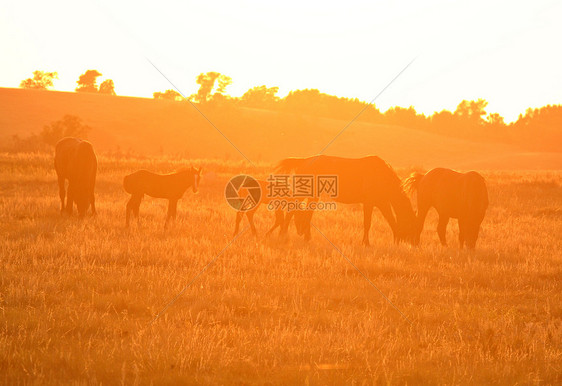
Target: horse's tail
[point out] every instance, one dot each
(412, 183)
(288, 165)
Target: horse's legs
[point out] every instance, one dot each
(62, 193)
(420, 219)
(306, 224)
(463, 230)
(279, 220)
(69, 199)
(136, 208)
(386, 211)
(286, 222)
(442, 228)
(250, 216)
(172, 210)
(239, 216)
(128, 211)
(130, 207)
(471, 236)
(367, 216)
(93, 202)
(133, 206)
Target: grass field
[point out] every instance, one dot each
(77, 297)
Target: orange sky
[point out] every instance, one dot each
(504, 51)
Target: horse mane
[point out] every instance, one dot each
(400, 201)
(410, 184)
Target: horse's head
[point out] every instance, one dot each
(406, 231)
(406, 224)
(196, 178)
(82, 204)
(472, 230)
(411, 232)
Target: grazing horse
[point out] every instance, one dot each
(170, 186)
(369, 181)
(76, 162)
(280, 216)
(454, 195)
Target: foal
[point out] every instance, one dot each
(170, 186)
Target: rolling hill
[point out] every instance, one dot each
(146, 127)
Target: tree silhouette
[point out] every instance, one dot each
(68, 126)
(495, 120)
(40, 81)
(472, 111)
(407, 117)
(107, 87)
(87, 81)
(172, 95)
(260, 96)
(206, 84)
(539, 128)
(442, 121)
(223, 82)
(313, 102)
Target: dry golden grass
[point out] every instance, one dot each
(77, 297)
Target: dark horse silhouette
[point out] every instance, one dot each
(454, 195)
(76, 162)
(170, 186)
(369, 181)
(280, 216)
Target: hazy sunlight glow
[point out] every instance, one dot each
(502, 51)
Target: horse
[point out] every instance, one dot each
(369, 181)
(280, 217)
(76, 162)
(454, 195)
(169, 186)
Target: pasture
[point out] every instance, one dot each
(78, 298)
